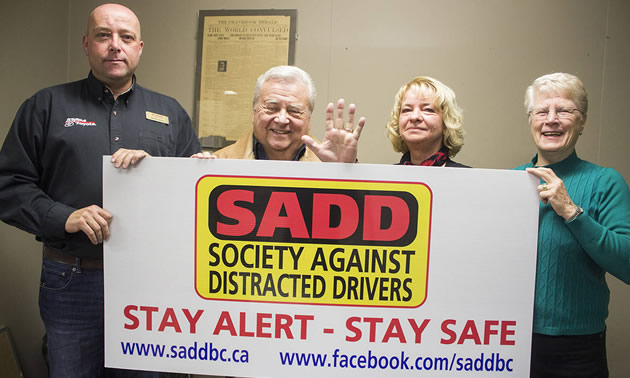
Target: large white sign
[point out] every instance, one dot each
(291, 269)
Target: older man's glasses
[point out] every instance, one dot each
(275, 109)
(561, 113)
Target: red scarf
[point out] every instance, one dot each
(436, 160)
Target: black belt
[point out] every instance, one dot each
(84, 262)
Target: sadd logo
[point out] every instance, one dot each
(340, 242)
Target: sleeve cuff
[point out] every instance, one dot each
(54, 224)
(585, 229)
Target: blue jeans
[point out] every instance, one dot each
(71, 306)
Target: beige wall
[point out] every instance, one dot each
(488, 51)
(34, 55)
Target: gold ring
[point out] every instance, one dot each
(545, 187)
(348, 129)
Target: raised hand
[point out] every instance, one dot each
(341, 139)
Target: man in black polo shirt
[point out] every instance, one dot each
(51, 178)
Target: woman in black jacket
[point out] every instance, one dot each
(426, 124)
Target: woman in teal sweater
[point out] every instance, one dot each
(584, 232)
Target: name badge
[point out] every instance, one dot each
(157, 117)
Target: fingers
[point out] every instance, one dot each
(335, 116)
(551, 181)
(339, 119)
(203, 155)
(94, 230)
(546, 174)
(96, 224)
(330, 108)
(544, 193)
(350, 123)
(335, 119)
(357, 131)
(124, 158)
(93, 221)
(118, 157)
(310, 143)
(554, 192)
(535, 171)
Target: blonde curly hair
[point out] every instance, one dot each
(452, 114)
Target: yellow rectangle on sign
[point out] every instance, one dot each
(312, 241)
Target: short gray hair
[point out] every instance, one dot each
(289, 74)
(558, 82)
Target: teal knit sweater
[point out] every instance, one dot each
(571, 291)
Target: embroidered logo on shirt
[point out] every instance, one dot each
(78, 121)
(157, 117)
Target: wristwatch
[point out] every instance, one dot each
(578, 212)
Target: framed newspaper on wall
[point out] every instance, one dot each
(234, 48)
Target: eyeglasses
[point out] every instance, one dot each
(562, 113)
(273, 109)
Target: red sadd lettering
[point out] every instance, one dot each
(294, 220)
(349, 216)
(313, 215)
(245, 219)
(373, 214)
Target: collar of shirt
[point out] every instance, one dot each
(260, 154)
(568, 162)
(100, 91)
